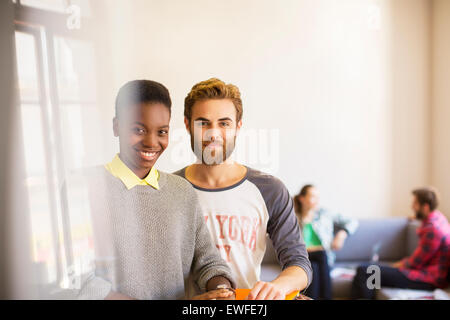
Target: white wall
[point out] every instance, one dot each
(440, 153)
(410, 93)
(346, 87)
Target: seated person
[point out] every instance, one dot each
(323, 232)
(427, 268)
(149, 233)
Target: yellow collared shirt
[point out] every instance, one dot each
(120, 170)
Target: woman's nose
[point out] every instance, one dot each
(150, 141)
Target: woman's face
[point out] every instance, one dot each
(311, 200)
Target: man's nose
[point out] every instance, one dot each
(213, 134)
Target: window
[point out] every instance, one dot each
(56, 74)
(52, 5)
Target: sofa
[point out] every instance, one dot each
(383, 240)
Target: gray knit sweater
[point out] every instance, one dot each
(148, 242)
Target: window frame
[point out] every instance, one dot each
(44, 26)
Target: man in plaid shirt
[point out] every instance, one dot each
(428, 267)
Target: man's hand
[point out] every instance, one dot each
(218, 294)
(397, 264)
(267, 291)
(291, 279)
(339, 239)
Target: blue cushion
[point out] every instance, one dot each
(388, 234)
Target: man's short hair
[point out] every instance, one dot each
(213, 89)
(428, 196)
(142, 91)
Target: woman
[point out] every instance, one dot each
(323, 233)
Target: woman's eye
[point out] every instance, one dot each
(139, 130)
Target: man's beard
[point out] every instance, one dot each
(212, 157)
(419, 215)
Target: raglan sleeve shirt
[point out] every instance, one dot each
(283, 227)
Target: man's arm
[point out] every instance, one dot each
(289, 280)
(429, 243)
(285, 233)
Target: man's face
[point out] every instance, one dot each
(213, 129)
(418, 209)
(143, 132)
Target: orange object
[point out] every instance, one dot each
(242, 294)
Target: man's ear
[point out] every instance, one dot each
(238, 126)
(187, 124)
(116, 126)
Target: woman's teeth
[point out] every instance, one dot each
(149, 155)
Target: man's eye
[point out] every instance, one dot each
(163, 132)
(225, 124)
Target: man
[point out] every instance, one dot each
(427, 268)
(240, 204)
(149, 234)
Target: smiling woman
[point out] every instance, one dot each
(142, 142)
(142, 124)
